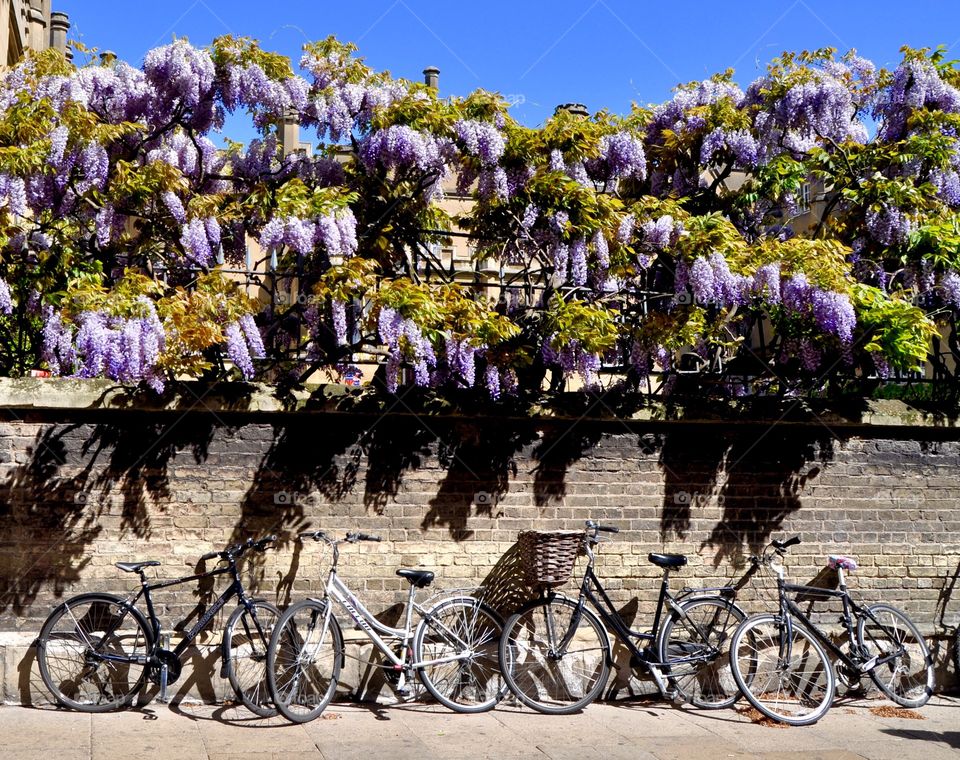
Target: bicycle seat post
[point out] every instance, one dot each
(841, 579)
(164, 670)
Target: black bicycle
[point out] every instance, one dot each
(555, 652)
(96, 650)
(780, 660)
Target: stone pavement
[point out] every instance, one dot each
(631, 730)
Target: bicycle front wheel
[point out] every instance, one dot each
(93, 652)
(555, 659)
(455, 651)
(303, 660)
(907, 677)
(245, 642)
(694, 646)
(782, 670)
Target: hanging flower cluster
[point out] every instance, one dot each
(626, 242)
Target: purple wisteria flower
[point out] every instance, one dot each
(338, 312)
(6, 302)
(237, 349)
(491, 377)
(252, 334)
(950, 283)
(578, 262)
(766, 283)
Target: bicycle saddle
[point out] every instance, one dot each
(667, 560)
(842, 563)
(419, 578)
(134, 567)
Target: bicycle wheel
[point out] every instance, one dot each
(694, 644)
(784, 673)
(544, 673)
(457, 644)
(956, 651)
(245, 642)
(93, 652)
(908, 678)
(303, 660)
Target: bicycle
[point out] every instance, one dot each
(452, 650)
(555, 652)
(780, 661)
(96, 650)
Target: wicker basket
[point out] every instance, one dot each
(548, 557)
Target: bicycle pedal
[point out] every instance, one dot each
(676, 696)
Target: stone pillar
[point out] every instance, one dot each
(59, 25)
(37, 32)
(290, 133)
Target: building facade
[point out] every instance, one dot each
(30, 25)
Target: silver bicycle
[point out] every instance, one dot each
(452, 650)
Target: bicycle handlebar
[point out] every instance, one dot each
(598, 528)
(781, 545)
(237, 550)
(319, 535)
(779, 548)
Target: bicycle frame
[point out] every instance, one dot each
(789, 609)
(337, 590)
(591, 590)
(234, 590)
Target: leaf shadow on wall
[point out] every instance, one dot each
(52, 504)
(757, 478)
(558, 449)
(304, 457)
(479, 460)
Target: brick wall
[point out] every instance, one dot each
(80, 490)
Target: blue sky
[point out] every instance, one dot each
(604, 53)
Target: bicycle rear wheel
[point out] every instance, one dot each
(245, 642)
(93, 652)
(908, 678)
(956, 651)
(471, 682)
(540, 670)
(694, 646)
(303, 660)
(782, 670)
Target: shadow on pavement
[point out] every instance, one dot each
(950, 738)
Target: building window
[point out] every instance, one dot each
(803, 198)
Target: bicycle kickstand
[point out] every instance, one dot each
(668, 687)
(164, 671)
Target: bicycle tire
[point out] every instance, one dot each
(694, 645)
(542, 680)
(302, 686)
(92, 623)
(956, 651)
(915, 690)
(472, 684)
(245, 655)
(755, 662)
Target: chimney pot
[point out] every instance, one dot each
(431, 77)
(574, 109)
(59, 24)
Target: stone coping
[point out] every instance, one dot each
(70, 396)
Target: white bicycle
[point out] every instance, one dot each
(452, 650)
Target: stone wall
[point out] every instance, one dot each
(86, 482)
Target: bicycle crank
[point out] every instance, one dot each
(166, 663)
